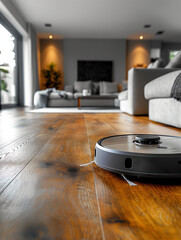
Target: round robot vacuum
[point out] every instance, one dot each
(140, 155)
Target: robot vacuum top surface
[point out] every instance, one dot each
(142, 144)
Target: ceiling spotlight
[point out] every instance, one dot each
(50, 36)
(141, 37)
(48, 25)
(159, 32)
(147, 25)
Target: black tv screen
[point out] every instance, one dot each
(95, 71)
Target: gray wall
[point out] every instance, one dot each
(93, 49)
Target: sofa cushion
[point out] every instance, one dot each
(79, 86)
(55, 95)
(108, 87)
(109, 94)
(175, 62)
(78, 94)
(176, 88)
(161, 86)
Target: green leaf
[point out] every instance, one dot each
(4, 70)
(51, 76)
(4, 86)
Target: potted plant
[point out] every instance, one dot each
(3, 82)
(52, 77)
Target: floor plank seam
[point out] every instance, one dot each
(17, 174)
(99, 211)
(97, 199)
(6, 145)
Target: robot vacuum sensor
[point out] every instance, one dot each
(141, 155)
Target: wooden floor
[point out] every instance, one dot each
(45, 194)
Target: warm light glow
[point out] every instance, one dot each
(141, 37)
(139, 55)
(50, 36)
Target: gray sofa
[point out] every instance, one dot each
(162, 107)
(133, 101)
(68, 97)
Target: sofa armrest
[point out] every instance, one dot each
(137, 79)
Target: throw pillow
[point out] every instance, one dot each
(124, 84)
(95, 88)
(79, 86)
(108, 87)
(175, 62)
(150, 65)
(158, 63)
(101, 87)
(69, 88)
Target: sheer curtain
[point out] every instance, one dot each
(31, 78)
(34, 59)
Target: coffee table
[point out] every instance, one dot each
(94, 97)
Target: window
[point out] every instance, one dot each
(172, 54)
(8, 67)
(11, 80)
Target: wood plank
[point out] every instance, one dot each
(12, 129)
(15, 156)
(145, 211)
(54, 198)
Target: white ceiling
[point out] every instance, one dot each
(104, 18)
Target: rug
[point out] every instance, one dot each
(75, 110)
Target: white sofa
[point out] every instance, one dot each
(68, 97)
(162, 107)
(133, 101)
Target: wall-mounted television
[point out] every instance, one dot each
(95, 71)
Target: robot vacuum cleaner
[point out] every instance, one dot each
(140, 155)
